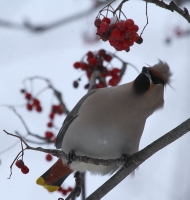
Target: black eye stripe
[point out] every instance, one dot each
(155, 79)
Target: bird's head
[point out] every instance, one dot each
(151, 81)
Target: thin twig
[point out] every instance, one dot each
(146, 19)
(57, 93)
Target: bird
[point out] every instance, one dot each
(107, 123)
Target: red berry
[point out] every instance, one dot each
(135, 28)
(75, 84)
(114, 71)
(97, 22)
(51, 115)
(106, 19)
(49, 124)
(125, 43)
(114, 80)
(115, 34)
(92, 61)
(38, 108)
(90, 54)
(120, 25)
(29, 106)
(59, 109)
(131, 43)
(122, 36)
(129, 23)
(19, 163)
(104, 27)
(99, 32)
(107, 58)
(119, 46)
(36, 102)
(28, 96)
(25, 169)
(83, 66)
(127, 32)
(101, 52)
(76, 65)
(48, 135)
(49, 157)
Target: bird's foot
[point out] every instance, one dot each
(70, 157)
(78, 183)
(125, 158)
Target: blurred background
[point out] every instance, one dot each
(50, 53)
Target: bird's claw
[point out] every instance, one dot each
(125, 157)
(70, 157)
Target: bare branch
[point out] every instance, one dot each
(96, 74)
(27, 25)
(172, 7)
(138, 158)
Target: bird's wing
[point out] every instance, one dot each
(70, 117)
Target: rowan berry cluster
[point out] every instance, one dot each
(97, 61)
(120, 34)
(65, 191)
(32, 103)
(20, 164)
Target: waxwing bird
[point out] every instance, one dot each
(107, 123)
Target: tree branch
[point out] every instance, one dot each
(132, 162)
(27, 25)
(172, 7)
(138, 158)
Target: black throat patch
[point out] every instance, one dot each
(141, 84)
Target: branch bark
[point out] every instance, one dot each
(138, 158)
(172, 7)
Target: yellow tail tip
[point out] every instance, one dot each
(50, 188)
(40, 181)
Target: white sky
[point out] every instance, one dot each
(165, 175)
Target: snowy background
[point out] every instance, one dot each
(51, 54)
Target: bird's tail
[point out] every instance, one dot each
(54, 176)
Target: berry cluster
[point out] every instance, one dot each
(32, 103)
(20, 164)
(121, 34)
(65, 191)
(97, 61)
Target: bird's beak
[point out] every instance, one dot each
(145, 71)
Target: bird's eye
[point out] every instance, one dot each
(156, 80)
